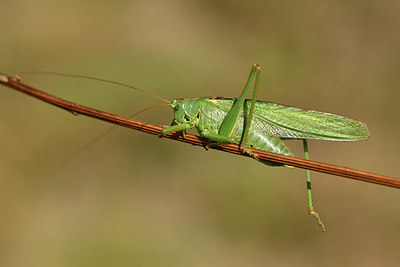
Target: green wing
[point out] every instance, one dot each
(294, 123)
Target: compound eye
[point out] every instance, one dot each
(178, 105)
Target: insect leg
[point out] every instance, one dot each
(253, 103)
(176, 128)
(228, 125)
(310, 205)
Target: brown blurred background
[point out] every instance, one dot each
(133, 199)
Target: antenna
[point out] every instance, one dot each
(94, 78)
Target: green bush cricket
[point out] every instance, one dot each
(262, 125)
(252, 123)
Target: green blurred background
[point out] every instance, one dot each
(133, 199)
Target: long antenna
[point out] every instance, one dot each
(93, 78)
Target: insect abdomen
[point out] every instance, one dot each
(267, 143)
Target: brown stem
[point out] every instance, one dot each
(14, 82)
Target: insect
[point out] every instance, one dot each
(262, 125)
(252, 123)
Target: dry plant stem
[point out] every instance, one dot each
(15, 83)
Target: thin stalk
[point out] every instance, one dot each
(15, 83)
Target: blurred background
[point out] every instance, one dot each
(132, 199)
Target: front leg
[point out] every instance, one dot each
(176, 128)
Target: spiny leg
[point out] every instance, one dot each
(227, 127)
(251, 112)
(310, 205)
(226, 131)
